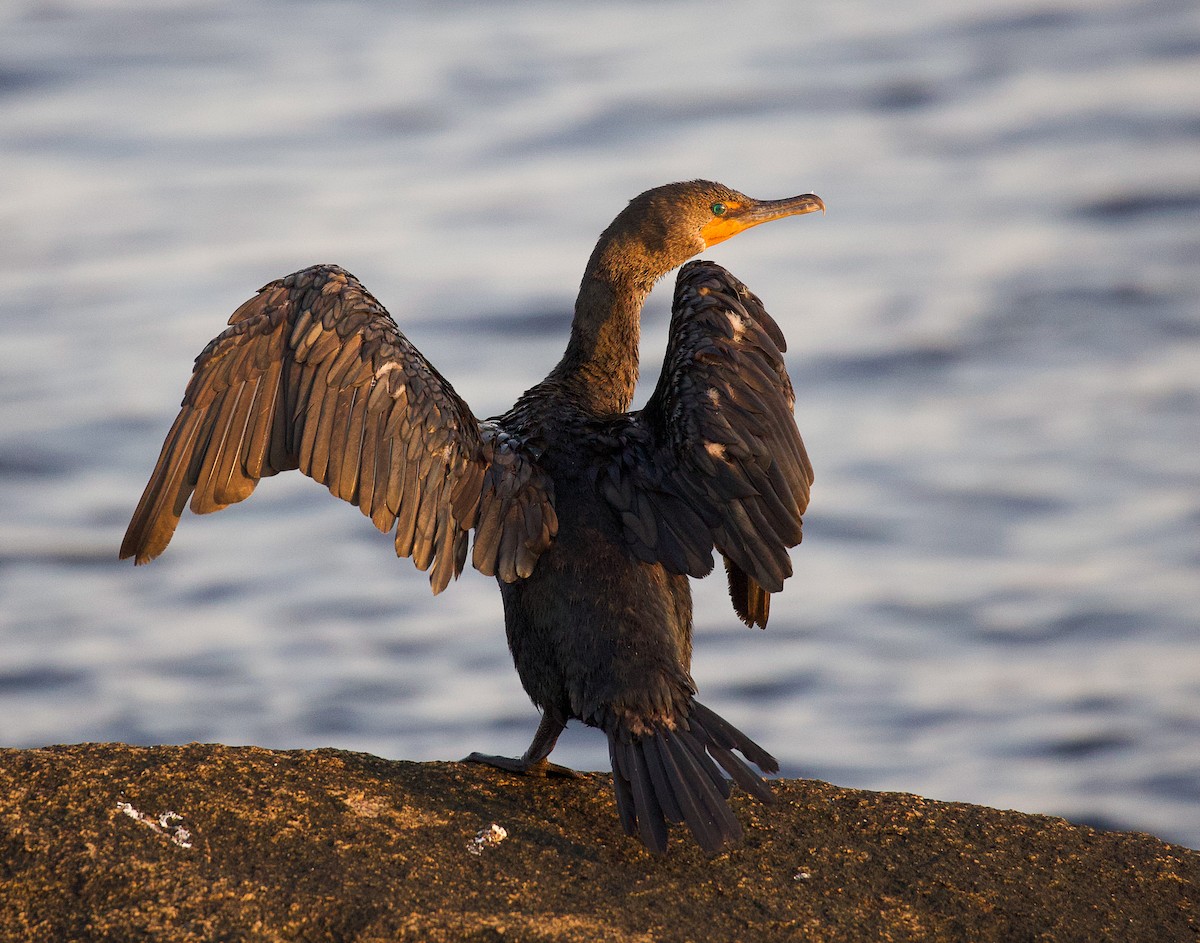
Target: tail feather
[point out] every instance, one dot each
(719, 826)
(735, 766)
(662, 784)
(728, 736)
(674, 775)
(743, 775)
(691, 802)
(652, 825)
(697, 747)
(625, 802)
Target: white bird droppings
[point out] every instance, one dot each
(166, 823)
(486, 837)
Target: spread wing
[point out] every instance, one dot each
(715, 459)
(313, 373)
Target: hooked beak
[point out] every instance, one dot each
(740, 217)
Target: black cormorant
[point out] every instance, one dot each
(591, 517)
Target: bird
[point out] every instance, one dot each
(591, 516)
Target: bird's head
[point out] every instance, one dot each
(679, 220)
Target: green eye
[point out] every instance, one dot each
(718, 209)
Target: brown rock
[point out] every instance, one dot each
(109, 842)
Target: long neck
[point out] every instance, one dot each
(599, 369)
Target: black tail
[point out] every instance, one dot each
(673, 776)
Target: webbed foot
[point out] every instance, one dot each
(533, 762)
(523, 766)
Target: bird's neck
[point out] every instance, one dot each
(599, 369)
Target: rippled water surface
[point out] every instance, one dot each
(994, 336)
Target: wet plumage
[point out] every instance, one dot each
(592, 518)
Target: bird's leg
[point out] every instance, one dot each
(533, 761)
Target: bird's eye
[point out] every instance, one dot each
(718, 209)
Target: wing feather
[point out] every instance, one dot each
(312, 373)
(256, 461)
(230, 484)
(714, 460)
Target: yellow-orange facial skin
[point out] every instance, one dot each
(720, 228)
(739, 217)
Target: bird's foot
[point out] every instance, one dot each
(524, 767)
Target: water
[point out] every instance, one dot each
(995, 340)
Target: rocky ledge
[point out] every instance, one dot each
(109, 842)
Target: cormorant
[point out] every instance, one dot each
(591, 517)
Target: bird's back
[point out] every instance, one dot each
(593, 631)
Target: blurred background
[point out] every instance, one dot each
(994, 338)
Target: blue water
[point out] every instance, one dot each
(994, 337)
